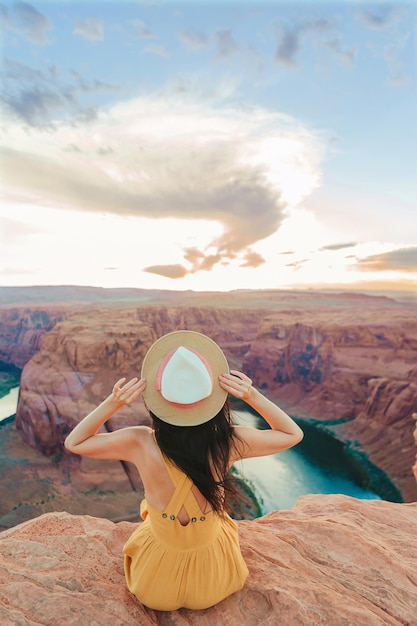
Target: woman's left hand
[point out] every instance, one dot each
(237, 384)
(127, 393)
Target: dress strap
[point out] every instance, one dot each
(182, 496)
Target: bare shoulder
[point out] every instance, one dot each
(140, 435)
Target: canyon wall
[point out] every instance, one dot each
(22, 329)
(352, 369)
(358, 378)
(83, 356)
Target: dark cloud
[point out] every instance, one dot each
(91, 29)
(291, 39)
(25, 20)
(168, 271)
(339, 246)
(379, 18)
(401, 260)
(37, 97)
(225, 43)
(35, 105)
(288, 48)
(194, 39)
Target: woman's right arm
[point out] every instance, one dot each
(284, 432)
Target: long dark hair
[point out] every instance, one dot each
(203, 453)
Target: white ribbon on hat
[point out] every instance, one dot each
(185, 378)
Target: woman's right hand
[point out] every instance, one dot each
(127, 393)
(237, 384)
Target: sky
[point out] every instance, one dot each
(209, 145)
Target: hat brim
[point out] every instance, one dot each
(204, 410)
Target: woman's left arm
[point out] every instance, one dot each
(120, 444)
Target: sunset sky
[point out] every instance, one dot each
(209, 145)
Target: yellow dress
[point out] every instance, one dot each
(169, 566)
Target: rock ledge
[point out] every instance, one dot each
(329, 560)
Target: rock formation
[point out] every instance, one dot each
(359, 378)
(22, 329)
(330, 560)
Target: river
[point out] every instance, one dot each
(317, 465)
(8, 403)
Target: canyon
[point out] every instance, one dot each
(345, 362)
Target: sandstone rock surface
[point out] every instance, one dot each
(330, 560)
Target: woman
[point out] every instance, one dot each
(186, 552)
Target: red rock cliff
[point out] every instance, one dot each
(82, 357)
(329, 560)
(22, 329)
(363, 375)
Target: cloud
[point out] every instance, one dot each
(8, 271)
(12, 230)
(36, 104)
(347, 55)
(194, 39)
(143, 31)
(393, 53)
(36, 97)
(397, 22)
(162, 157)
(380, 17)
(225, 44)
(158, 49)
(291, 39)
(168, 271)
(288, 48)
(339, 246)
(25, 20)
(91, 28)
(252, 259)
(401, 260)
(297, 264)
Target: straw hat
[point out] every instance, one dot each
(182, 370)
